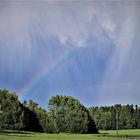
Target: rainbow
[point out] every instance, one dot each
(44, 71)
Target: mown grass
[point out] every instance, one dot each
(104, 135)
(123, 132)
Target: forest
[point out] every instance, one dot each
(64, 115)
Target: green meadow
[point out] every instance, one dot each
(104, 135)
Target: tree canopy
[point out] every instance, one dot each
(128, 117)
(64, 115)
(70, 116)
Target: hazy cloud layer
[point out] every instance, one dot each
(106, 36)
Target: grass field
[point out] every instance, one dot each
(104, 135)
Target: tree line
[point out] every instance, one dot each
(64, 115)
(106, 118)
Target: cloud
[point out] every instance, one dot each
(72, 23)
(34, 34)
(124, 43)
(78, 24)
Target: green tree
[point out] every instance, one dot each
(0, 116)
(70, 116)
(105, 121)
(11, 117)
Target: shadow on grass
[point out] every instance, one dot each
(118, 136)
(16, 133)
(104, 133)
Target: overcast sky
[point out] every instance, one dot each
(86, 49)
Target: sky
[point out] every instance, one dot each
(86, 49)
